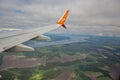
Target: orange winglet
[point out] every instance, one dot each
(63, 19)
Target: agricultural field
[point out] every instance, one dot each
(98, 58)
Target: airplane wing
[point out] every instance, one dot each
(13, 40)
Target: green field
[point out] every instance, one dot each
(102, 54)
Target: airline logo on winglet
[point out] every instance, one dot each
(63, 19)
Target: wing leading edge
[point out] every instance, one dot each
(14, 39)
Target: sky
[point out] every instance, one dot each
(86, 16)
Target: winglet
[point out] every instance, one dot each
(62, 20)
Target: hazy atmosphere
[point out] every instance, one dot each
(86, 16)
(36, 45)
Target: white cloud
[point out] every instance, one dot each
(36, 13)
